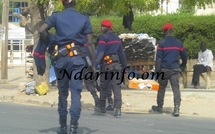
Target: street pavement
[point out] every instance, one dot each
(20, 119)
(195, 103)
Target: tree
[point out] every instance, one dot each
(33, 16)
(189, 6)
(198, 3)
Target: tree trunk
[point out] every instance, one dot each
(31, 18)
(36, 22)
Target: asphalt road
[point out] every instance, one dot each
(22, 119)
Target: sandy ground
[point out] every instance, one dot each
(197, 104)
(133, 102)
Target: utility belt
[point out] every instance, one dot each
(69, 49)
(111, 58)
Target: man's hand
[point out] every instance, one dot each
(182, 67)
(43, 31)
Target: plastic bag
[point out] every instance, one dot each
(52, 76)
(30, 88)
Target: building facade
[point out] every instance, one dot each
(209, 10)
(16, 35)
(14, 8)
(172, 6)
(166, 7)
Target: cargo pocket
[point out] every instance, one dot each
(108, 68)
(59, 64)
(78, 61)
(117, 67)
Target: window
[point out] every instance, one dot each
(15, 47)
(14, 7)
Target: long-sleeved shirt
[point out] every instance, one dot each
(168, 51)
(68, 28)
(39, 53)
(206, 58)
(110, 45)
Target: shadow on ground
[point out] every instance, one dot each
(166, 110)
(81, 130)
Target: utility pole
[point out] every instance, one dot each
(4, 48)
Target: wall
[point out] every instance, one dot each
(168, 6)
(210, 9)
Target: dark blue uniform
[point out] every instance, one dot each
(71, 26)
(168, 51)
(110, 44)
(90, 83)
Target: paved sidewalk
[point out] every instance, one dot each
(199, 103)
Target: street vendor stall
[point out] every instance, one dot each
(140, 50)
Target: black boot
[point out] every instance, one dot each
(73, 127)
(96, 99)
(63, 127)
(100, 110)
(117, 113)
(110, 106)
(176, 111)
(158, 108)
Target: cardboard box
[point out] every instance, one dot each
(147, 84)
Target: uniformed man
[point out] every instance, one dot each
(167, 61)
(72, 28)
(89, 82)
(111, 58)
(110, 106)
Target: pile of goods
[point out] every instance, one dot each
(138, 46)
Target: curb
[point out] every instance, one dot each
(146, 100)
(12, 95)
(8, 95)
(196, 103)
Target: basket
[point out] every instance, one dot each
(42, 88)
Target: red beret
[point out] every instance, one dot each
(107, 23)
(167, 26)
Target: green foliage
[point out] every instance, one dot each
(120, 7)
(198, 3)
(104, 7)
(192, 30)
(184, 9)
